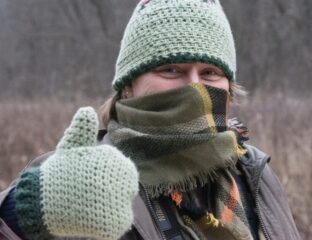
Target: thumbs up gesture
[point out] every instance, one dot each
(81, 190)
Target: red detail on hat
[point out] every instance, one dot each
(143, 2)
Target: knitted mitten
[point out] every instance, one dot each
(81, 190)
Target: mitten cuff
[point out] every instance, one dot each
(28, 207)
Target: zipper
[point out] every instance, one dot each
(266, 235)
(151, 210)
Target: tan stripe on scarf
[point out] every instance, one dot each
(207, 105)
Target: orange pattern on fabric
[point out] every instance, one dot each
(230, 204)
(177, 198)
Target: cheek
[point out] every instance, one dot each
(222, 84)
(226, 85)
(145, 86)
(142, 87)
(163, 85)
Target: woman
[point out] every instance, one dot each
(175, 75)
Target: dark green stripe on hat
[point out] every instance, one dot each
(177, 58)
(179, 31)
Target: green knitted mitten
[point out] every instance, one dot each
(81, 190)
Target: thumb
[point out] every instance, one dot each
(82, 130)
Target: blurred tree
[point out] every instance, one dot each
(64, 48)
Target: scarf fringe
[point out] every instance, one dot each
(187, 184)
(240, 150)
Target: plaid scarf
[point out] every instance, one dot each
(230, 208)
(179, 141)
(227, 218)
(176, 138)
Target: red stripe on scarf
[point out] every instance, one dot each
(230, 204)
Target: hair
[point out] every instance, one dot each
(107, 109)
(237, 92)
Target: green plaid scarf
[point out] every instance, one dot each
(177, 138)
(227, 219)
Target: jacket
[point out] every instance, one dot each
(276, 221)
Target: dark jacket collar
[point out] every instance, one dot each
(253, 164)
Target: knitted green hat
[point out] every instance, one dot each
(175, 31)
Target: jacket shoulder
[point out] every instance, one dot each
(275, 207)
(256, 154)
(270, 196)
(254, 161)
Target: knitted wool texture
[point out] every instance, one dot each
(175, 31)
(176, 146)
(82, 189)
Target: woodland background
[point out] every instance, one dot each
(56, 56)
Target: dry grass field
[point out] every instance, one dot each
(279, 125)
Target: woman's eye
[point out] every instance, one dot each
(211, 75)
(168, 71)
(210, 72)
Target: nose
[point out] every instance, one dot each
(193, 76)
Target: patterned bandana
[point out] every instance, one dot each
(177, 138)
